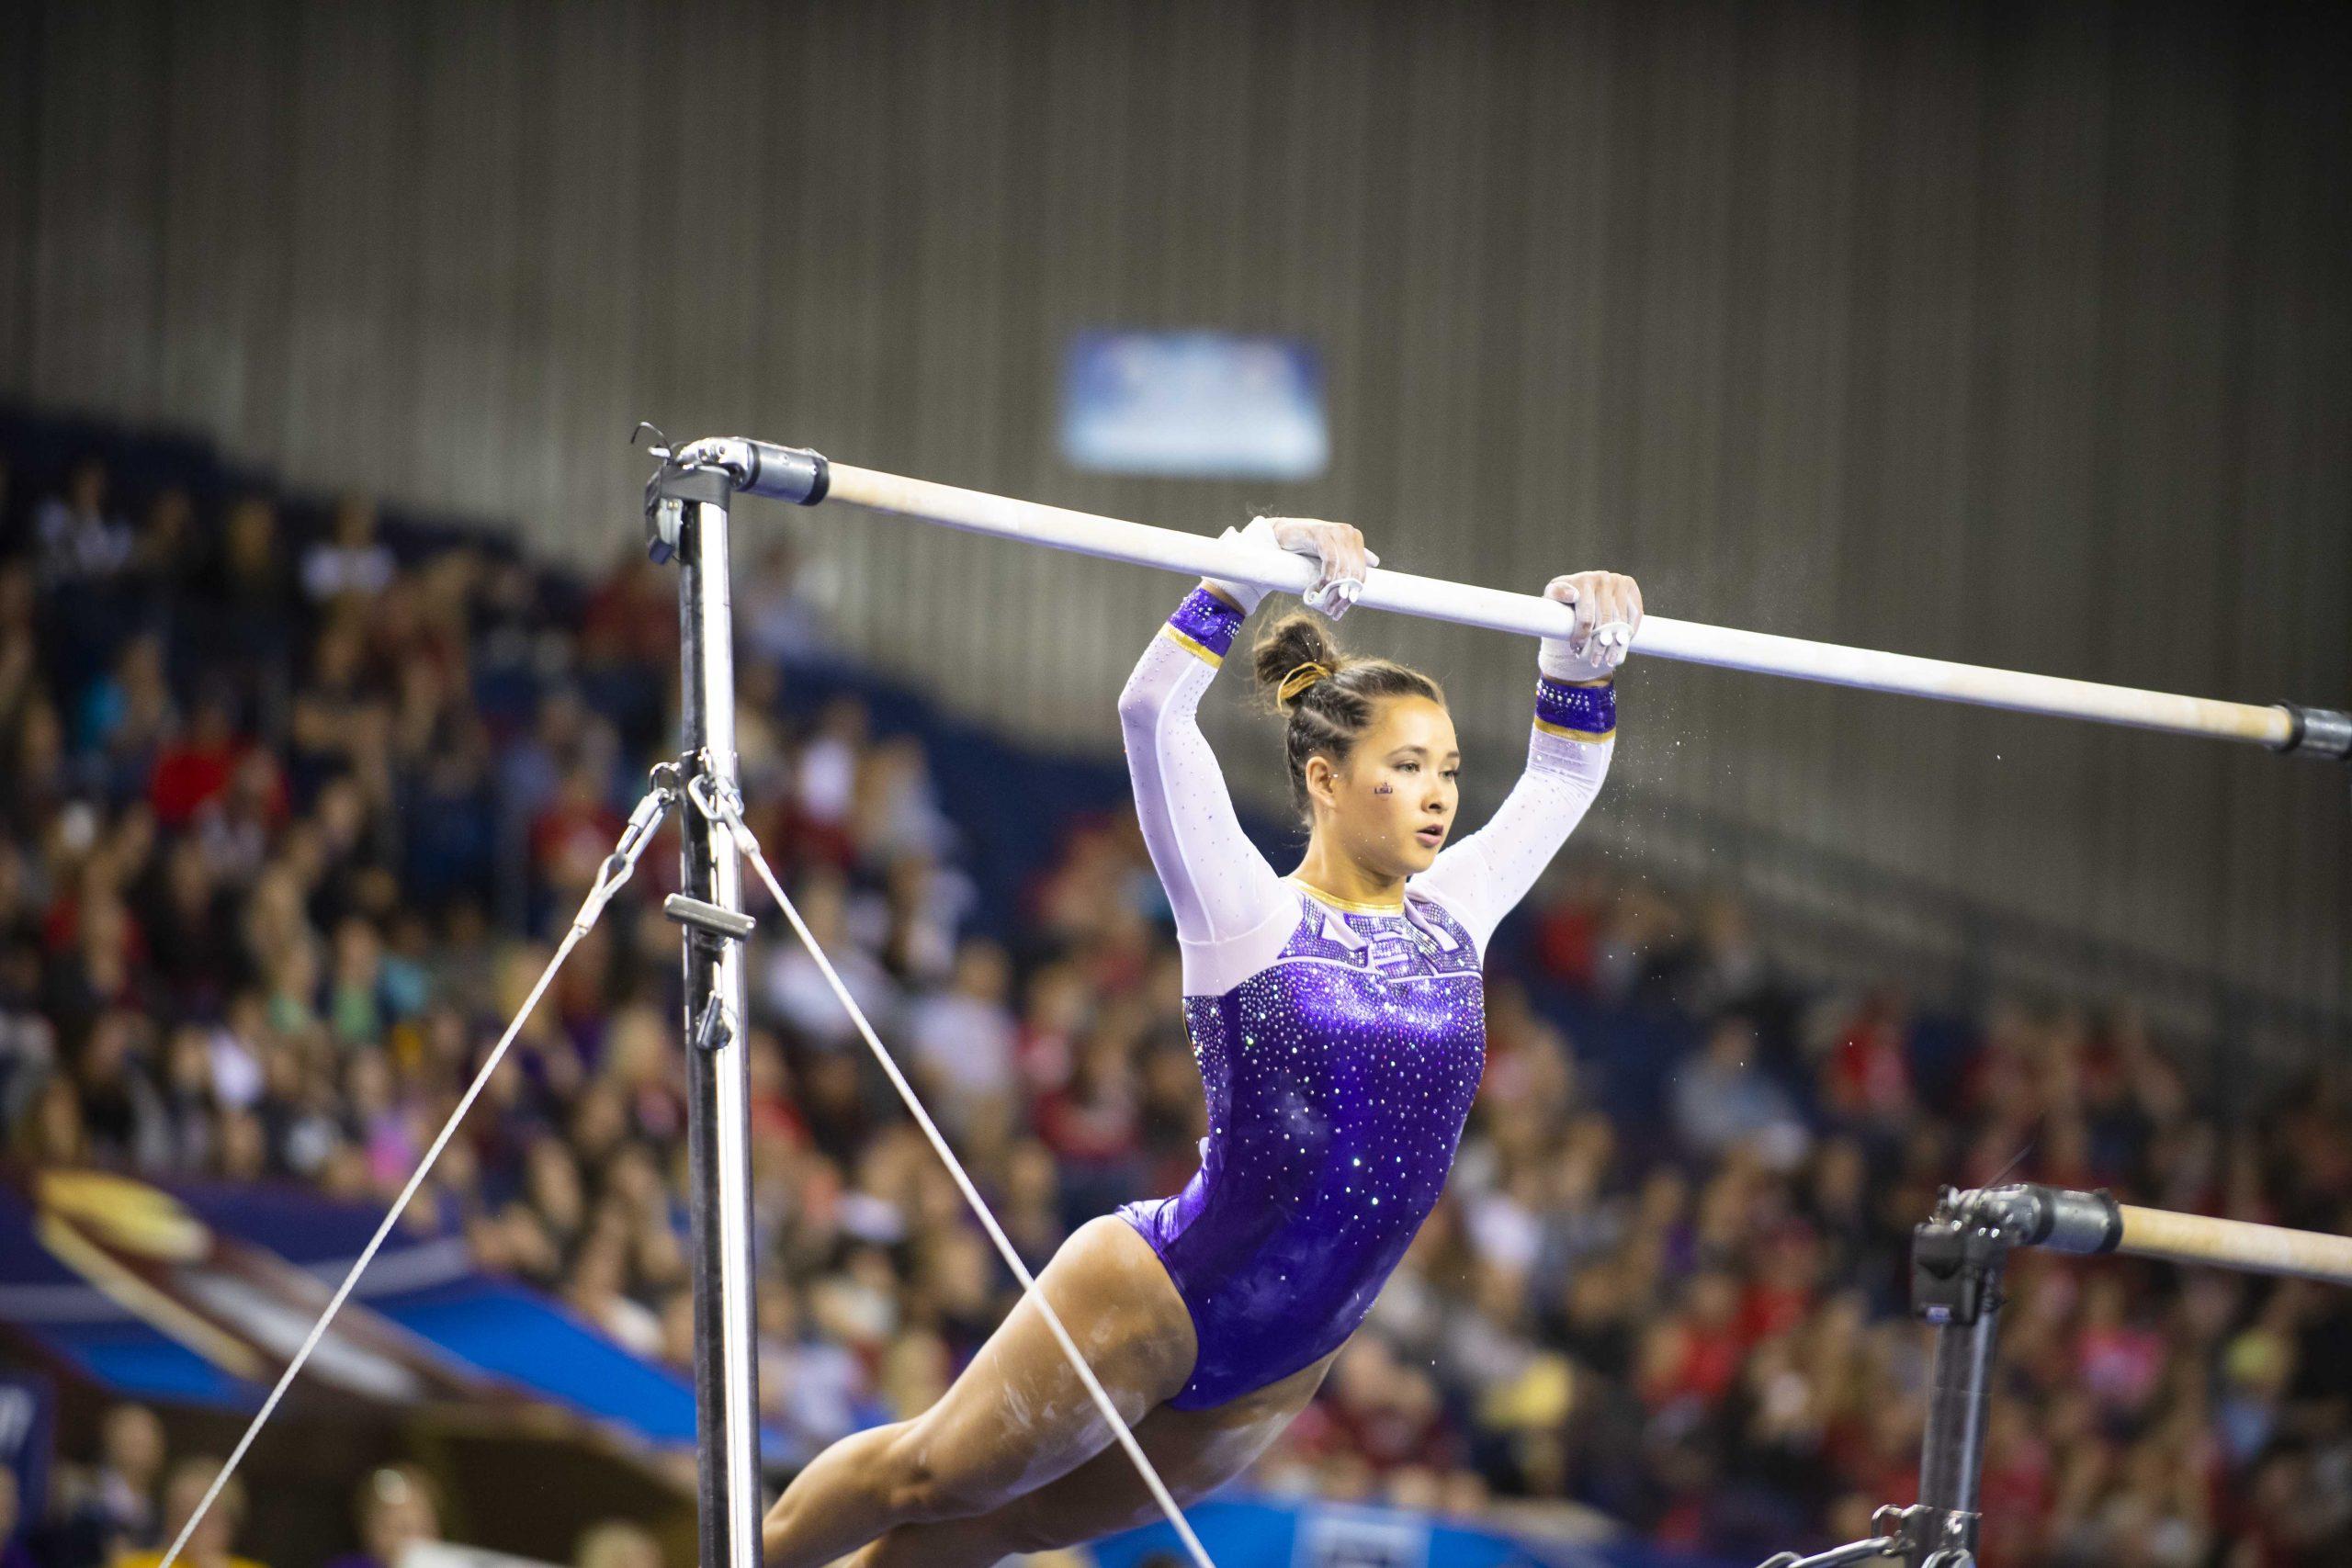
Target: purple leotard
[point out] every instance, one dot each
(1340, 1044)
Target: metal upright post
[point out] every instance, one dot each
(718, 1093)
(686, 508)
(1956, 1263)
(1951, 1462)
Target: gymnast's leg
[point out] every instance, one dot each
(1195, 1451)
(1016, 1418)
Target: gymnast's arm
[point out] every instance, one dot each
(1482, 878)
(1218, 885)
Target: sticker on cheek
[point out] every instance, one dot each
(1384, 789)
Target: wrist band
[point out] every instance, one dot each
(1581, 712)
(1206, 623)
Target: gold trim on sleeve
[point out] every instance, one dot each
(1191, 645)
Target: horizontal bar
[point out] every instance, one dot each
(2066, 1220)
(2235, 1244)
(1112, 538)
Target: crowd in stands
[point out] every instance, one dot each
(118, 1507)
(290, 805)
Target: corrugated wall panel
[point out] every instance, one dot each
(2019, 334)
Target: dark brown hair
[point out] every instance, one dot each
(1327, 711)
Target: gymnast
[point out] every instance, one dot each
(1338, 1016)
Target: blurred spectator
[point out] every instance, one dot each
(618, 1544)
(112, 1509)
(828, 761)
(167, 554)
(962, 1037)
(350, 562)
(16, 1549)
(209, 1545)
(796, 988)
(80, 537)
(1725, 1099)
(192, 770)
(243, 603)
(1383, 1420)
(394, 1510)
(780, 622)
(281, 849)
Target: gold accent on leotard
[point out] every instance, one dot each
(1355, 906)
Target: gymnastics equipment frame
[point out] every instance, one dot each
(1957, 1259)
(688, 501)
(689, 509)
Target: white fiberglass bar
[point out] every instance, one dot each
(2066, 1220)
(2279, 728)
(2234, 1244)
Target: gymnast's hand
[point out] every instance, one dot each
(1338, 549)
(1609, 613)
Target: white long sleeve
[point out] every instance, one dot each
(1481, 878)
(1227, 901)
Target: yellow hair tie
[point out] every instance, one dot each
(1293, 684)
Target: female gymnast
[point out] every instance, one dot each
(1339, 1020)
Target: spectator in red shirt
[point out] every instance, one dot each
(195, 766)
(1867, 1074)
(572, 837)
(2119, 1359)
(1781, 1293)
(1386, 1412)
(1695, 1354)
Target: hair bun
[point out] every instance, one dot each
(1292, 655)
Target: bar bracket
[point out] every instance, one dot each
(1955, 1266)
(2317, 732)
(711, 471)
(674, 487)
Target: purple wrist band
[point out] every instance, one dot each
(1207, 620)
(1587, 710)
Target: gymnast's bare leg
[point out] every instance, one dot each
(1016, 1418)
(1195, 1451)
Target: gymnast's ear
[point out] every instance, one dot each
(1322, 781)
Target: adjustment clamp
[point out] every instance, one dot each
(2316, 732)
(709, 919)
(1956, 1261)
(711, 1033)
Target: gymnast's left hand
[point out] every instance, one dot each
(1608, 607)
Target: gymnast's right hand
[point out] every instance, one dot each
(1338, 549)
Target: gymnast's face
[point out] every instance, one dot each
(1391, 806)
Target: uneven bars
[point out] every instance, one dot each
(806, 477)
(2234, 1244)
(1957, 1261)
(2087, 1222)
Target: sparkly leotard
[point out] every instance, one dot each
(1340, 1044)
